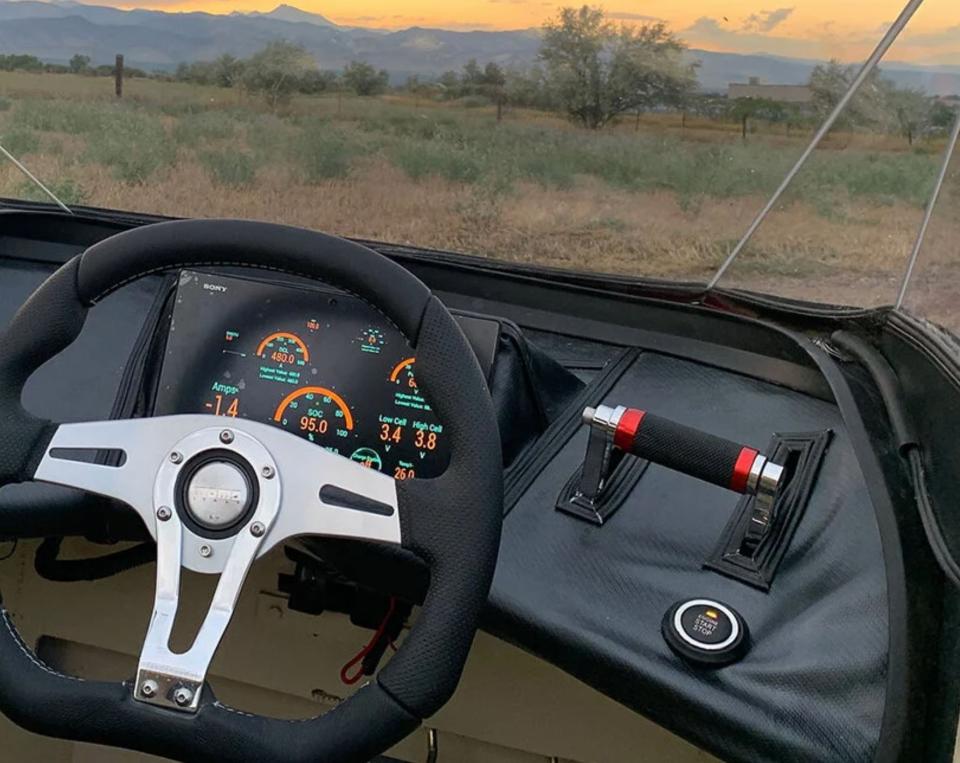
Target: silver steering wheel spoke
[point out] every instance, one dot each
(215, 494)
(141, 445)
(326, 494)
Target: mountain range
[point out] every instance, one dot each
(157, 40)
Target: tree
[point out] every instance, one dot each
(494, 76)
(942, 116)
(494, 84)
(79, 64)
(317, 81)
(529, 88)
(277, 71)
(420, 89)
(20, 62)
(487, 82)
(911, 110)
(830, 81)
(796, 116)
(472, 75)
(449, 84)
(599, 70)
(363, 79)
(227, 70)
(745, 109)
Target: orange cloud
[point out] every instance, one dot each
(807, 28)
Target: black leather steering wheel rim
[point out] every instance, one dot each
(452, 522)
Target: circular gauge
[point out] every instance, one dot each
(368, 457)
(372, 341)
(283, 356)
(318, 414)
(402, 374)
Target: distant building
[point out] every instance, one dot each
(779, 93)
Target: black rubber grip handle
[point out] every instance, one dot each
(685, 449)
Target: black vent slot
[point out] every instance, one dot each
(756, 563)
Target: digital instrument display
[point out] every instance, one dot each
(319, 363)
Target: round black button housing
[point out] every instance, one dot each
(240, 487)
(706, 632)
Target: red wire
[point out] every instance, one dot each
(345, 676)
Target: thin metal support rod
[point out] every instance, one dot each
(35, 180)
(432, 748)
(871, 63)
(931, 207)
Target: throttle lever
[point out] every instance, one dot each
(698, 454)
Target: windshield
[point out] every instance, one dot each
(638, 138)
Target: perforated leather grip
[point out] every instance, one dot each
(685, 449)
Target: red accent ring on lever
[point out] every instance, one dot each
(627, 428)
(741, 470)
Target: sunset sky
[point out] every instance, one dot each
(844, 29)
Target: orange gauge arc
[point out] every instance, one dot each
(399, 367)
(285, 335)
(347, 416)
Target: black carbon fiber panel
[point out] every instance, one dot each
(590, 599)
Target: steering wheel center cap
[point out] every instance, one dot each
(216, 491)
(217, 495)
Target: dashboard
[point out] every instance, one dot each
(547, 596)
(319, 363)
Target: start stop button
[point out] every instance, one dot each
(706, 631)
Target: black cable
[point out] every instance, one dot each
(12, 550)
(931, 526)
(50, 567)
(908, 444)
(888, 384)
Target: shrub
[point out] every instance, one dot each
(67, 190)
(59, 116)
(230, 168)
(475, 102)
(323, 153)
(5, 104)
(181, 108)
(404, 123)
(549, 168)
(270, 138)
(421, 160)
(19, 142)
(194, 129)
(134, 145)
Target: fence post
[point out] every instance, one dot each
(118, 74)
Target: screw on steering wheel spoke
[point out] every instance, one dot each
(183, 696)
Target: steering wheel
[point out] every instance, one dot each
(278, 486)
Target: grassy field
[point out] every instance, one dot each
(659, 200)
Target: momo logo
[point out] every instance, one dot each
(215, 287)
(211, 494)
(218, 494)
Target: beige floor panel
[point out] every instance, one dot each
(510, 707)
